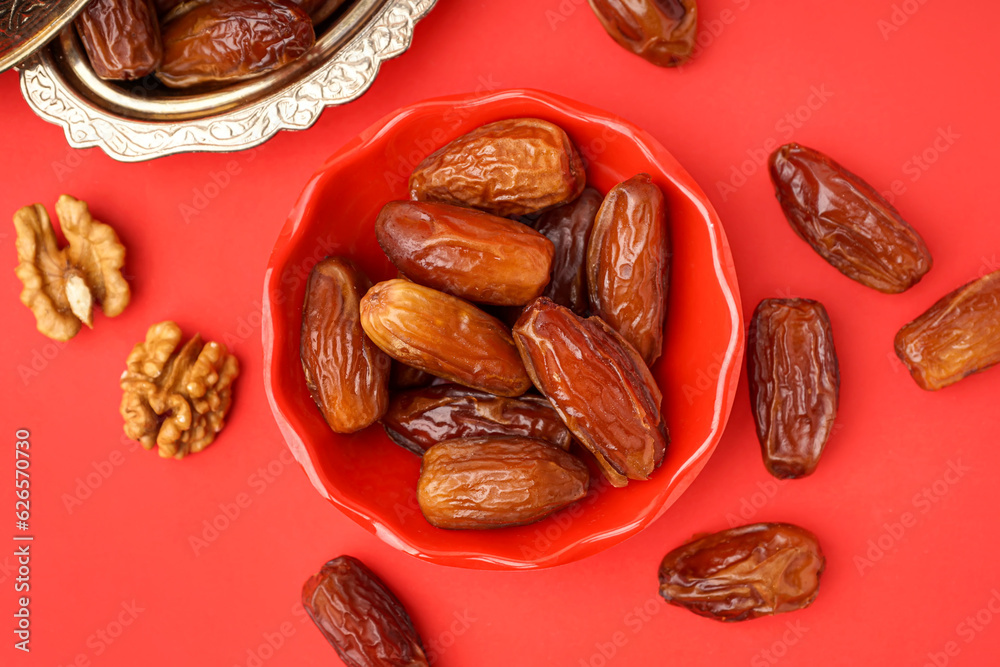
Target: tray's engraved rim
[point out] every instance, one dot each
(30, 25)
(348, 74)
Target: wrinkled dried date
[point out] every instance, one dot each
(847, 221)
(598, 384)
(361, 618)
(744, 573)
(794, 383)
(466, 253)
(347, 375)
(568, 227)
(628, 260)
(231, 40)
(444, 336)
(121, 38)
(661, 31)
(493, 482)
(421, 418)
(511, 167)
(957, 336)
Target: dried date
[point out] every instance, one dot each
(661, 31)
(794, 383)
(223, 41)
(421, 418)
(628, 261)
(957, 336)
(847, 221)
(569, 227)
(467, 253)
(444, 336)
(347, 375)
(511, 167)
(598, 384)
(493, 482)
(121, 38)
(744, 573)
(361, 618)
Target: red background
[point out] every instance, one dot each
(892, 594)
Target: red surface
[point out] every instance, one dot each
(878, 100)
(373, 479)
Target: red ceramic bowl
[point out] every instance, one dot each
(371, 479)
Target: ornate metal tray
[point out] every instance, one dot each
(141, 120)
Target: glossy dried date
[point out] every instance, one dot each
(231, 40)
(364, 622)
(347, 375)
(421, 418)
(121, 38)
(847, 221)
(598, 384)
(569, 227)
(493, 482)
(743, 573)
(628, 261)
(511, 167)
(661, 31)
(444, 336)
(957, 336)
(794, 383)
(467, 253)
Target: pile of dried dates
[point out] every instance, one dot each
(501, 228)
(514, 278)
(189, 43)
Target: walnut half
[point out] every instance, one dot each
(62, 284)
(176, 399)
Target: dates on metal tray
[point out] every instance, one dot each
(347, 375)
(794, 383)
(361, 618)
(628, 259)
(492, 482)
(847, 221)
(421, 418)
(444, 336)
(598, 384)
(121, 38)
(743, 573)
(661, 31)
(230, 40)
(511, 167)
(467, 253)
(569, 227)
(957, 336)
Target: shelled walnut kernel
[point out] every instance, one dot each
(176, 399)
(62, 284)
